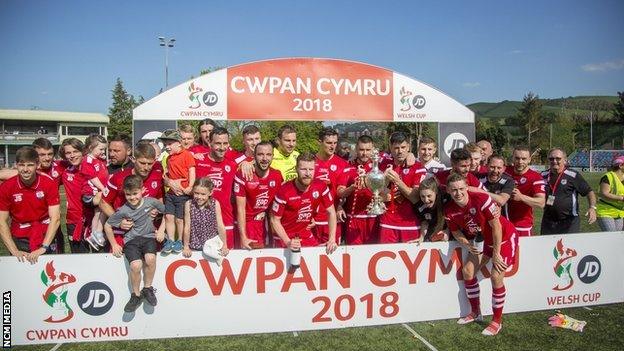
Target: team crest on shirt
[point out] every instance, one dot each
(333, 168)
(227, 168)
(522, 180)
(473, 211)
(39, 194)
(17, 197)
(70, 177)
(154, 184)
(406, 171)
(564, 181)
(55, 174)
(315, 194)
(272, 184)
(97, 167)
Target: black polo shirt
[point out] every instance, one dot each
(504, 185)
(112, 169)
(567, 191)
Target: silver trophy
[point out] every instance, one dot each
(376, 181)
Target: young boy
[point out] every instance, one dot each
(181, 173)
(139, 243)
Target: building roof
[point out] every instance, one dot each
(53, 116)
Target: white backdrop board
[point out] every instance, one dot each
(71, 298)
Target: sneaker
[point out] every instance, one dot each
(133, 304)
(177, 246)
(149, 296)
(168, 246)
(492, 329)
(469, 318)
(92, 241)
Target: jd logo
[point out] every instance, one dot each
(589, 269)
(419, 101)
(95, 298)
(454, 141)
(210, 98)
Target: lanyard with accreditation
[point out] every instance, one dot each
(551, 198)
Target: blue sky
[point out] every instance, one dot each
(66, 55)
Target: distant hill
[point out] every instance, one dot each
(569, 105)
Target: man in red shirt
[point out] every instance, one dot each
(399, 223)
(328, 168)
(295, 205)
(221, 170)
(528, 193)
(473, 217)
(360, 227)
(145, 159)
(254, 196)
(31, 201)
(460, 164)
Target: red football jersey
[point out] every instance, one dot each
(328, 171)
(222, 175)
(471, 180)
(90, 168)
(152, 186)
(259, 192)
(399, 214)
(530, 183)
(297, 208)
(28, 205)
(201, 153)
(55, 171)
(357, 202)
(73, 182)
(473, 218)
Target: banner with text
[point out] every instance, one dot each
(304, 89)
(71, 298)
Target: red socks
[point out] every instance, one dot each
(472, 292)
(498, 301)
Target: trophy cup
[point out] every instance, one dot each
(376, 181)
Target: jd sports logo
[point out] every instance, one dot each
(95, 298)
(588, 269)
(419, 101)
(454, 141)
(210, 98)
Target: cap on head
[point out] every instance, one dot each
(171, 134)
(618, 161)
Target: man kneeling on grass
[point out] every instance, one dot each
(139, 244)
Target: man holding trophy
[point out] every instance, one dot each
(352, 185)
(399, 223)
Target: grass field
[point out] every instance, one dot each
(522, 331)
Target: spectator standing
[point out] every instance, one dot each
(610, 207)
(563, 186)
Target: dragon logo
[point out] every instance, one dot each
(405, 99)
(194, 95)
(563, 266)
(55, 295)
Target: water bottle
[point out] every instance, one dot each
(295, 255)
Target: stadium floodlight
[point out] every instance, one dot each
(166, 44)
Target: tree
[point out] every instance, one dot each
(530, 115)
(618, 108)
(120, 113)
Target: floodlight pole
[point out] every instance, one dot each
(166, 43)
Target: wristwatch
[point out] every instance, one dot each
(593, 207)
(46, 247)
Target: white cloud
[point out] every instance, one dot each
(471, 84)
(603, 66)
(515, 52)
